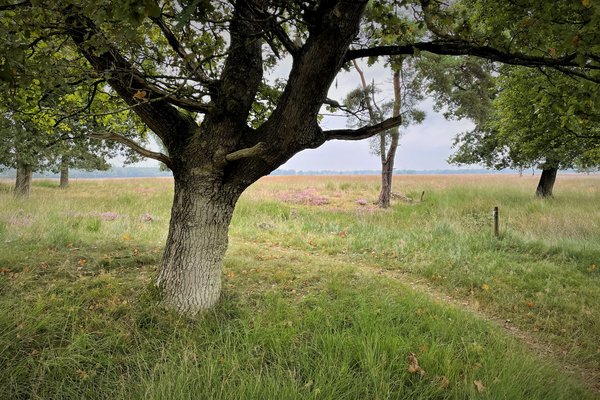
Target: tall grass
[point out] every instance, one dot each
(306, 311)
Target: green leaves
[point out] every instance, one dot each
(537, 118)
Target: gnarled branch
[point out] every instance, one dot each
(125, 80)
(463, 48)
(364, 132)
(133, 146)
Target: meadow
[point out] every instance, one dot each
(325, 296)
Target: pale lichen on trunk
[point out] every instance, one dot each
(190, 273)
(64, 173)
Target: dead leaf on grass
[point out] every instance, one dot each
(442, 381)
(479, 386)
(413, 365)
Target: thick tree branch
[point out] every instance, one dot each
(134, 146)
(165, 120)
(254, 151)
(243, 69)
(459, 48)
(364, 132)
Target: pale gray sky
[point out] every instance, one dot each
(422, 147)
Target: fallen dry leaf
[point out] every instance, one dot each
(413, 365)
(479, 386)
(530, 304)
(442, 381)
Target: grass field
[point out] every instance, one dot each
(325, 296)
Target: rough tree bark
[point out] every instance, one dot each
(23, 180)
(190, 274)
(546, 183)
(64, 173)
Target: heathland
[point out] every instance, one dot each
(325, 296)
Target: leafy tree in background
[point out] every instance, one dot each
(541, 119)
(195, 72)
(37, 138)
(28, 148)
(408, 91)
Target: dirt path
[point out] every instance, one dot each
(590, 378)
(545, 350)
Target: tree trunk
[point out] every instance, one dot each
(546, 184)
(190, 273)
(387, 165)
(64, 173)
(387, 169)
(23, 181)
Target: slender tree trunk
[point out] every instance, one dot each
(23, 181)
(546, 184)
(190, 273)
(64, 173)
(387, 165)
(387, 169)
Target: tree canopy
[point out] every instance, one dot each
(539, 119)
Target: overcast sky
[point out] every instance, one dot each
(422, 147)
(426, 146)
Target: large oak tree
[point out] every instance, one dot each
(198, 74)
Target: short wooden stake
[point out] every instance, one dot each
(496, 223)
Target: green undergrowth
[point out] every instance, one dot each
(542, 274)
(289, 326)
(305, 312)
